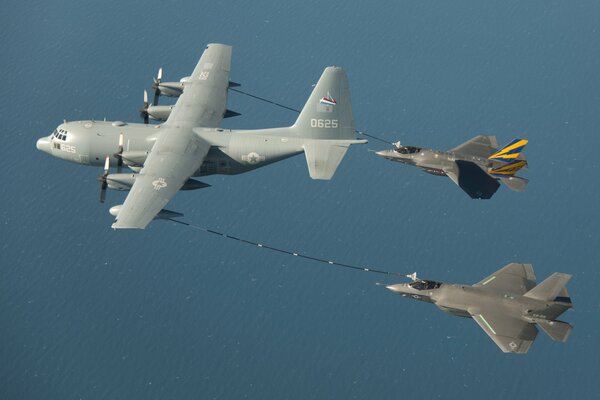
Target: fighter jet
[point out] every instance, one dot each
(165, 157)
(477, 166)
(507, 305)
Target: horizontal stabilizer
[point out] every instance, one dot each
(323, 159)
(557, 330)
(515, 183)
(550, 288)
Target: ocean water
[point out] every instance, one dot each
(175, 313)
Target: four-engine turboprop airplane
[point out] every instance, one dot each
(476, 166)
(507, 305)
(190, 143)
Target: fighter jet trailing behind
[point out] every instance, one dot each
(164, 158)
(477, 166)
(507, 305)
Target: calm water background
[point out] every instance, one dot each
(172, 313)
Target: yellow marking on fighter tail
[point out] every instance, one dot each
(502, 153)
(509, 169)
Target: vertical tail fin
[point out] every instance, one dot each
(327, 124)
(328, 112)
(551, 289)
(508, 169)
(511, 151)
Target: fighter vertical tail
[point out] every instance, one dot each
(551, 288)
(511, 151)
(515, 161)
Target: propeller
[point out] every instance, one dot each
(156, 86)
(119, 154)
(103, 181)
(144, 110)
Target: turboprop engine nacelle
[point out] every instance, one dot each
(159, 113)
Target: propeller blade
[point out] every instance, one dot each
(103, 181)
(156, 96)
(103, 191)
(119, 154)
(156, 86)
(106, 166)
(144, 109)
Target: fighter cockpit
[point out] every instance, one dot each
(407, 149)
(424, 285)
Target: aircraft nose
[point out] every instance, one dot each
(382, 153)
(395, 288)
(43, 144)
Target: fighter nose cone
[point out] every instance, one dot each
(43, 144)
(381, 153)
(395, 288)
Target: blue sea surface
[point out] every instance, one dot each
(175, 313)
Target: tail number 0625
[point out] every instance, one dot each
(323, 123)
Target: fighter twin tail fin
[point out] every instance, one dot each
(513, 160)
(508, 169)
(552, 288)
(511, 151)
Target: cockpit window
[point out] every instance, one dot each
(425, 285)
(407, 150)
(60, 134)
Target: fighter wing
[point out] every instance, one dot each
(472, 179)
(178, 152)
(513, 278)
(479, 146)
(512, 335)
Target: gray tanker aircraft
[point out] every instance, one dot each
(477, 166)
(165, 157)
(507, 305)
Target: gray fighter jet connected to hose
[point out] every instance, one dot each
(477, 166)
(164, 158)
(507, 305)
